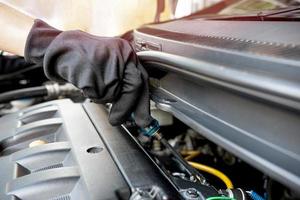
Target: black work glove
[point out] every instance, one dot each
(106, 69)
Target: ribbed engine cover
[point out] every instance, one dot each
(73, 164)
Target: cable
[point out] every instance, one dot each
(21, 71)
(220, 198)
(23, 93)
(190, 154)
(214, 172)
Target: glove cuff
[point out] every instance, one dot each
(38, 39)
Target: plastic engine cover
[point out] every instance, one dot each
(55, 170)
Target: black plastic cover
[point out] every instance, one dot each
(235, 82)
(73, 164)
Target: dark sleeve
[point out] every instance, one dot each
(38, 40)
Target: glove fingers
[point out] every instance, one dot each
(132, 85)
(142, 110)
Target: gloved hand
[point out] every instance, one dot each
(106, 69)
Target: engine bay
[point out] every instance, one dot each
(66, 150)
(227, 103)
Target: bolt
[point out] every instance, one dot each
(192, 178)
(192, 193)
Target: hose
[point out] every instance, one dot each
(210, 170)
(53, 90)
(23, 93)
(190, 154)
(214, 172)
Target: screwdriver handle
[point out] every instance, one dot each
(151, 130)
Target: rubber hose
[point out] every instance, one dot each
(214, 172)
(23, 93)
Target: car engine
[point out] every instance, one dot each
(227, 101)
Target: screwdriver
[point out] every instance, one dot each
(153, 131)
